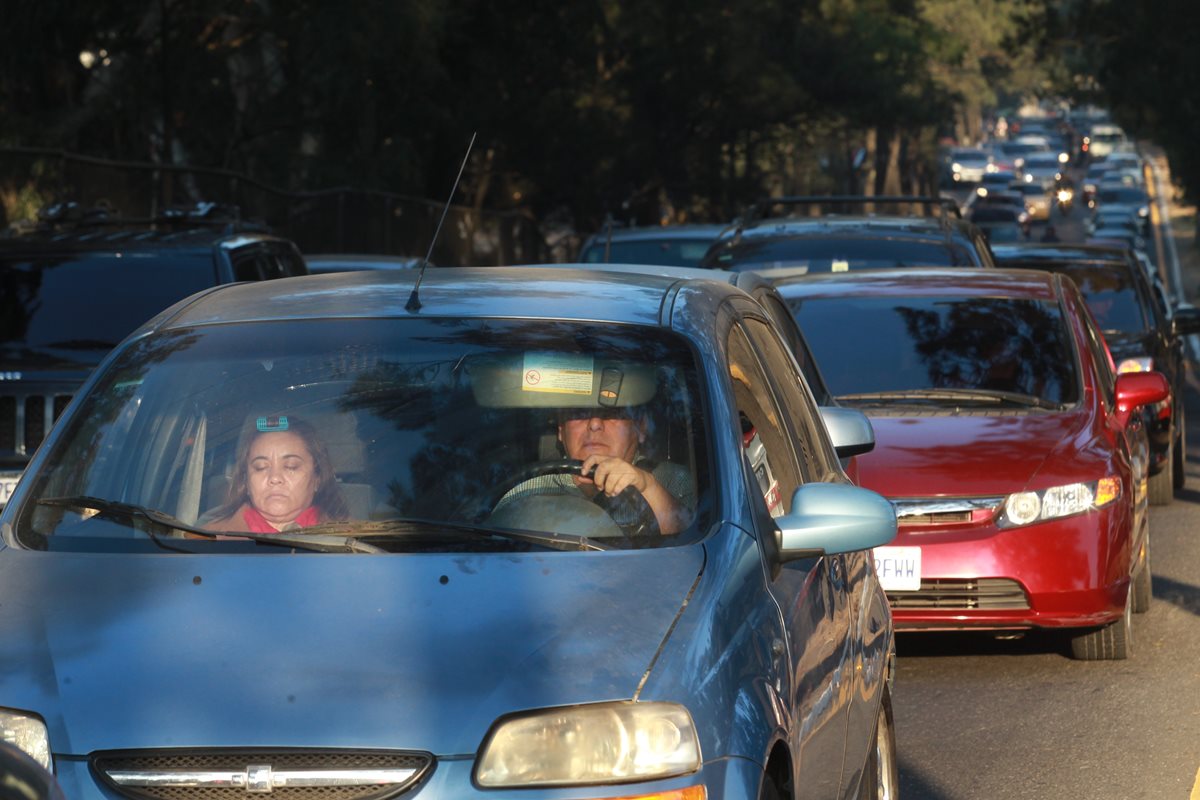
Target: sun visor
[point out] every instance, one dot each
(559, 380)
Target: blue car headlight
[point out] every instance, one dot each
(27, 733)
(601, 743)
(1027, 508)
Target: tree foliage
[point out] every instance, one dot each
(647, 110)
(1146, 72)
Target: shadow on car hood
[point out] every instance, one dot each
(969, 455)
(310, 650)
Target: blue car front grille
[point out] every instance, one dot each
(284, 774)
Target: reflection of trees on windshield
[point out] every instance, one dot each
(994, 345)
(94, 429)
(445, 447)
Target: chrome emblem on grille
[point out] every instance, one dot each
(258, 779)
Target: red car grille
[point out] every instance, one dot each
(959, 594)
(926, 511)
(935, 519)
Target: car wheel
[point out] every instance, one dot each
(769, 789)
(881, 779)
(1162, 483)
(1112, 642)
(1179, 455)
(1143, 583)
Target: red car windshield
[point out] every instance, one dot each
(874, 345)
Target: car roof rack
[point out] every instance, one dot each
(947, 207)
(71, 216)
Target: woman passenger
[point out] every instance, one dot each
(284, 480)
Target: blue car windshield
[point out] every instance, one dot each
(871, 345)
(407, 434)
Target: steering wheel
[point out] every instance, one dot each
(628, 509)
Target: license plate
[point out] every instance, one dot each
(7, 484)
(898, 568)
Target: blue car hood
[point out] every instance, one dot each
(406, 651)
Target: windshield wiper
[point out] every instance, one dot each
(398, 527)
(297, 539)
(973, 395)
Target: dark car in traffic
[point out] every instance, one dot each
(75, 285)
(1010, 447)
(1143, 335)
(850, 233)
(669, 245)
(465, 613)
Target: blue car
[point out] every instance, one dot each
(508, 533)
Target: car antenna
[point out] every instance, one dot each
(608, 224)
(414, 302)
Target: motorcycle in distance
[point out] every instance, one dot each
(1064, 195)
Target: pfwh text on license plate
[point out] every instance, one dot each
(898, 568)
(7, 484)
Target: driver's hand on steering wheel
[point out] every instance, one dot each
(613, 475)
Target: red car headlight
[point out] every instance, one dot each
(1027, 508)
(1139, 364)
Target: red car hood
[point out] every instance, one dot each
(929, 456)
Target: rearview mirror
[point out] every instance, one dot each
(830, 518)
(1185, 320)
(849, 430)
(1136, 389)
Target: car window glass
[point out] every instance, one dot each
(271, 266)
(785, 324)
(667, 252)
(246, 267)
(52, 305)
(291, 264)
(765, 438)
(435, 420)
(792, 393)
(1111, 295)
(1103, 359)
(840, 254)
(905, 344)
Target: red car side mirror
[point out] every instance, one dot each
(1135, 389)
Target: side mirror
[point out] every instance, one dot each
(1185, 321)
(1136, 389)
(830, 518)
(849, 430)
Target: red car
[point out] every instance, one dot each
(1005, 440)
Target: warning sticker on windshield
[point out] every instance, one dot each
(559, 373)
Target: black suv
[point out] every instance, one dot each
(916, 231)
(79, 282)
(1143, 333)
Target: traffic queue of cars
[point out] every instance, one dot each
(588, 530)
